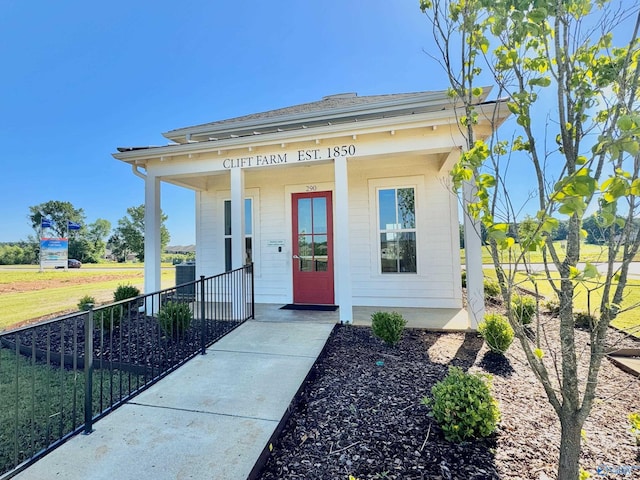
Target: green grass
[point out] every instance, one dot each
(588, 253)
(40, 405)
(45, 294)
(628, 321)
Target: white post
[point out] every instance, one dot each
(152, 221)
(342, 260)
(238, 254)
(238, 248)
(473, 257)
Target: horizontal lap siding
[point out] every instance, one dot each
(274, 285)
(435, 283)
(208, 245)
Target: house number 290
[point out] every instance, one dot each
(311, 188)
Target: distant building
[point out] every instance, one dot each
(346, 200)
(181, 249)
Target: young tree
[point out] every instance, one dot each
(96, 235)
(129, 235)
(563, 75)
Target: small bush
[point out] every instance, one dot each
(584, 320)
(388, 326)
(497, 332)
(464, 278)
(86, 302)
(463, 406)
(634, 421)
(125, 291)
(524, 308)
(109, 317)
(175, 318)
(491, 290)
(553, 307)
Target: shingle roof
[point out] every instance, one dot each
(332, 109)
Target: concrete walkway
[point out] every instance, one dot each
(210, 419)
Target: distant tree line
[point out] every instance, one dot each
(89, 242)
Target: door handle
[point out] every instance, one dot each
(296, 257)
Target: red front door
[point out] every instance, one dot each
(312, 248)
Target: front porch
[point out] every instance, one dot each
(449, 319)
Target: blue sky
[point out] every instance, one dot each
(82, 78)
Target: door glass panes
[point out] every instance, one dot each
(320, 215)
(313, 253)
(305, 245)
(396, 214)
(320, 253)
(248, 232)
(304, 215)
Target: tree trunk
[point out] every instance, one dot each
(571, 437)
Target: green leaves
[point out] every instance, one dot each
(463, 406)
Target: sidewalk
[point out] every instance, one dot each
(210, 419)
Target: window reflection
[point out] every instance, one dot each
(313, 246)
(396, 213)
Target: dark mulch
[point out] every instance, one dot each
(362, 414)
(135, 341)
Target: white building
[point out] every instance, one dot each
(343, 201)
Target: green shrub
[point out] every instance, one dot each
(125, 291)
(524, 308)
(497, 332)
(463, 406)
(584, 320)
(464, 278)
(109, 317)
(388, 326)
(553, 307)
(175, 318)
(634, 421)
(491, 290)
(86, 302)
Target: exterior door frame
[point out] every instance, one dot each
(310, 285)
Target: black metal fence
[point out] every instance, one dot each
(59, 376)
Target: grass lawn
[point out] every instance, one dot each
(628, 321)
(27, 294)
(42, 404)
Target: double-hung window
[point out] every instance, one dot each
(397, 229)
(248, 231)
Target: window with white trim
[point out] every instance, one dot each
(248, 232)
(397, 229)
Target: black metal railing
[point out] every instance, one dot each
(59, 376)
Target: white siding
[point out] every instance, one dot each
(435, 285)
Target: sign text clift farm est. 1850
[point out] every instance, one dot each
(304, 155)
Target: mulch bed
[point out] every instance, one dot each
(136, 343)
(362, 414)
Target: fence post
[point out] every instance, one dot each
(203, 330)
(253, 292)
(88, 372)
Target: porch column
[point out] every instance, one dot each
(152, 221)
(342, 258)
(238, 254)
(473, 257)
